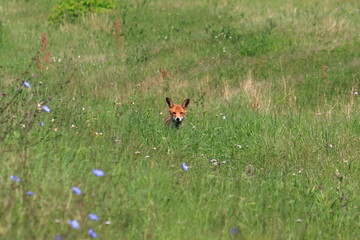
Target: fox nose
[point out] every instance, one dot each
(178, 119)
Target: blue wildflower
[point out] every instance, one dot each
(15, 178)
(46, 108)
(74, 224)
(26, 84)
(92, 233)
(76, 190)
(233, 231)
(42, 124)
(183, 165)
(30, 193)
(93, 217)
(98, 172)
(58, 237)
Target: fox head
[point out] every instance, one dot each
(177, 112)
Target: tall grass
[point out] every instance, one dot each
(274, 100)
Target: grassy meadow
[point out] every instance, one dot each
(274, 100)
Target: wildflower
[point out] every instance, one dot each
(76, 190)
(30, 193)
(356, 93)
(46, 108)
(183, 165)
(42, 124)
(15, 178)
(26, 84)
(233, 230)
(74, 224)
(238, 146)
(92, 233)
(93, 217)
(58, 237)
(98, 172)
(107, 222)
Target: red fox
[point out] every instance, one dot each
(177, 112)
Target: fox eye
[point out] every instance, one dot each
(181, 113)
(174, 113)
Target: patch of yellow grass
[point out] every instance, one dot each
(257, 94)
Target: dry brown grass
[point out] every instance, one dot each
(257, 94)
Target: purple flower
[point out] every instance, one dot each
(26, 84)
(233, 231)
(356, 93)
(15, 178)
(92, 233)
(42, 124)
(76, 190)
(183, 165)
(93, 217)
(46, 108)
(30, 193)
(74, 224)
(98, 172)
(58, 237)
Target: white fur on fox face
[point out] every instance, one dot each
(178, 119)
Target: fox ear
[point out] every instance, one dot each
(169, 102)
(186, 103)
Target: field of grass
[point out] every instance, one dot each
(274, 100)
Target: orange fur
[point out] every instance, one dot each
(177, 112)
